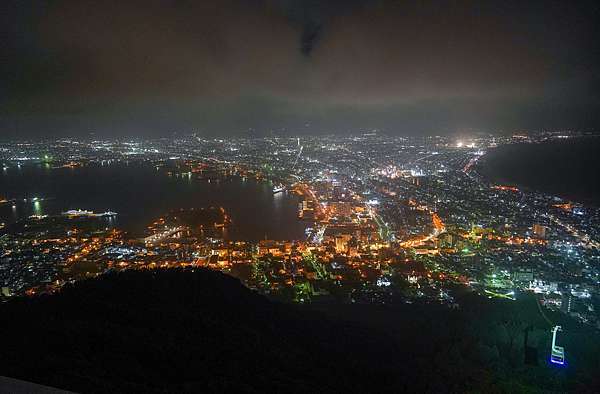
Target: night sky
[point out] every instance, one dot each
(151, 67)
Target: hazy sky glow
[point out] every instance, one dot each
(152, 67)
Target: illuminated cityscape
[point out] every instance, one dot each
(386, 220)
(299, 196)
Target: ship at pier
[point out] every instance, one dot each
(74, 213)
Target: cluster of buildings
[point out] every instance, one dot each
(389, 219)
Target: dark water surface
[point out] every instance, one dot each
(140, 194)
(568, 168)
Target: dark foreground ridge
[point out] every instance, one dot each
(202, 331)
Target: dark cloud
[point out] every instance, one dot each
(224, 66)
(313, 16)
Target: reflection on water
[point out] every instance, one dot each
(37, 208)
(140, 194)
(15, 215)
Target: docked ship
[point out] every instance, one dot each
(77, 213)
(82, 213)
(278, 189)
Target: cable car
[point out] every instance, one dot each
(557, 355)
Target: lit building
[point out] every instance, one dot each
(539, 231)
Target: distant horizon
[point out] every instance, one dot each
(304, 134)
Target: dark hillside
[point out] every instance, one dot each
(202, 331)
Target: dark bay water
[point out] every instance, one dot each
(569, 168)
(140, 194)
